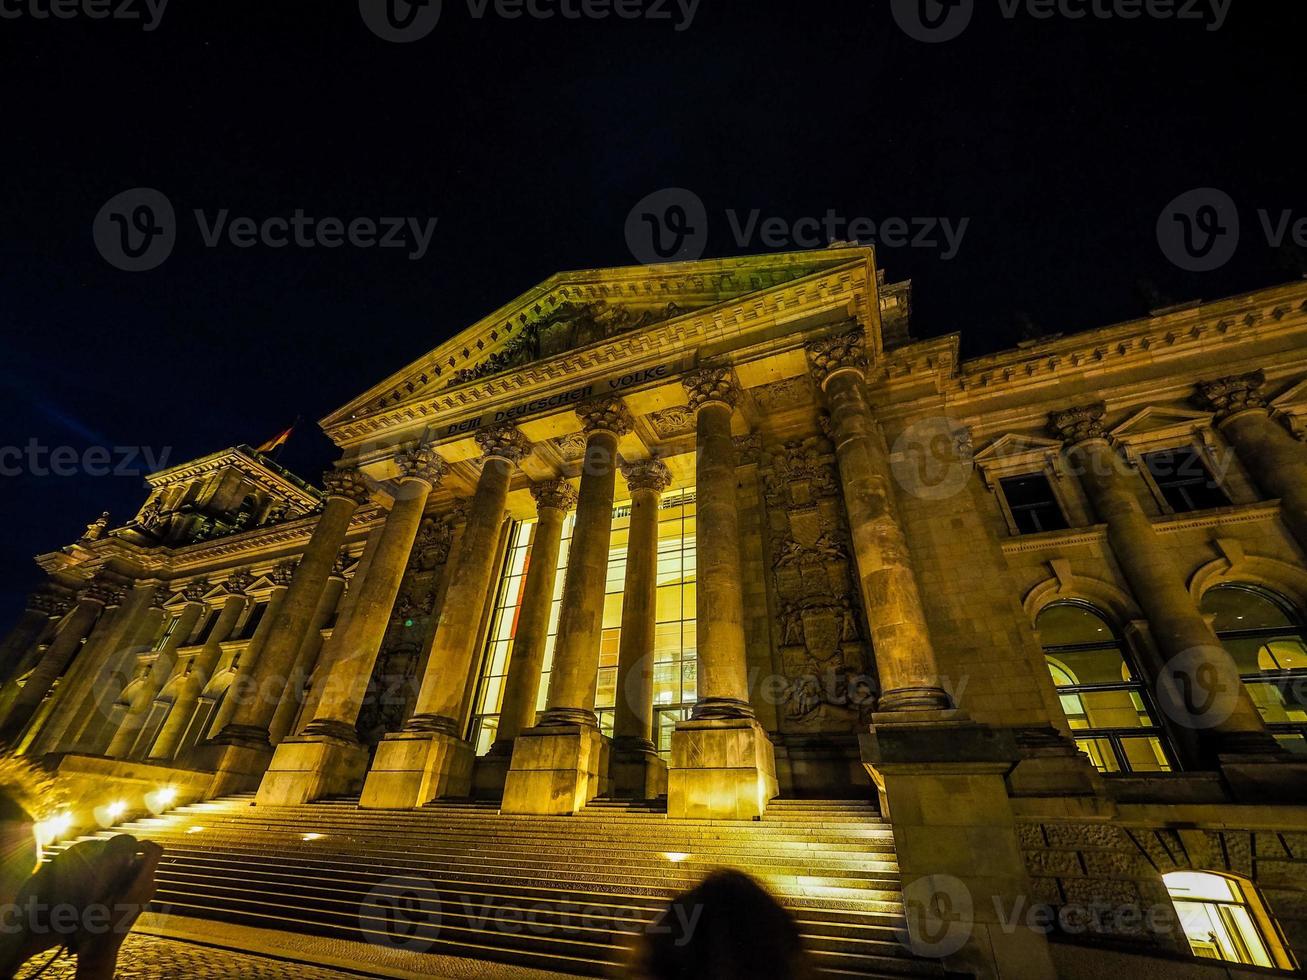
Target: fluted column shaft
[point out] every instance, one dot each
(1276, 460)
(347, 679)
(249, 722)
(283, 720)
(905, 657)
(723, 666)
(67, 641)
(192, 686)
(522, 688)
(1186, 641)
(440, 698)
(633, 712)
(575, 670)
(129, 729)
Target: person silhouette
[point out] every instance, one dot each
(728, 927)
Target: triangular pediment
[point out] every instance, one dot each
(1295, 397)
(1157, 418)
(1016, 445)
(572, 310)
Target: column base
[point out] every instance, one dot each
(305, 768)
(556, 769)
(635, 771)
(413, 768)
(721, 769)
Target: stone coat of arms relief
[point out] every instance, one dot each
(821, 639)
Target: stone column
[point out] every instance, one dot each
(16, 649)
(722, 764)
(905, 657)
(292, 699)
(554, 500)
(558, 765)
(1276, 460)
(429, 759)
(90, 688)
(248, 749)
(326, 757)
(124, 739)
(200, 671)
(1199, 688)
(65, 645)
(635, 770)
(245, 663)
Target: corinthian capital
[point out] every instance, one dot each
(420, 464)
(842, 352)
(647, 474)
(558, 494)
(238, 581)
(709, 385)
(348, 484)
(504, 442)
(47, 601)
(197, 590)
(284, 571)
(1078, 424)
(161, 596)
(1225, 396)
(605, 414)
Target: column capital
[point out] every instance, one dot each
(161, 595)
(104, 592)
(504, 442)
(284, 571)
(605, 415)
(46, 600)
(646, 474)
(197, 590)
(340, 564)
(829, 356)
(239, 581)
(1231, 394)
(1078, 424)
(708, 385)
(346, 483)
(558, 494)
(420, 464)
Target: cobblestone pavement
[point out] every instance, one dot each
(152, 958)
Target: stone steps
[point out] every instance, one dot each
(557, 893)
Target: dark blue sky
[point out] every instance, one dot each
(530, 141)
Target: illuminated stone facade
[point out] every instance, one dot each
(1001, 596)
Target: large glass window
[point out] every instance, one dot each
(1266, 639)
(1218, 917)
(1105, 703)
(675, 641)
(1185, 481)
(1033, 504)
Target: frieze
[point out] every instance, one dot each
(570, 447)
(672, 422)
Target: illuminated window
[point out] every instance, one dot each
(1266, 639)
(1223, 919)
(1105, 703)
(675, 663)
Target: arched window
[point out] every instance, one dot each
(1265, 636)
(1105, 702)
(1224, 919)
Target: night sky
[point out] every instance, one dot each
(530, 141)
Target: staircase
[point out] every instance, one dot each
(555, 893)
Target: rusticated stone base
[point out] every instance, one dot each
(413, 768)
(309, 767)
(556, 769)
(721, 769)
(636, 772)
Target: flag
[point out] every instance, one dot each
(275, 443)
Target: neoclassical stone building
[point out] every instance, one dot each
(723, 532)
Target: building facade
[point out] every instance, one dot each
(724, 532)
